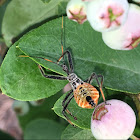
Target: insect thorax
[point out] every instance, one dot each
(74, 80)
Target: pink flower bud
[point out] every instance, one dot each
(116, 120)
(76, 10)
(106, 15)
(128, 35)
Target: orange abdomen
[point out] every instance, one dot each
(84, 90)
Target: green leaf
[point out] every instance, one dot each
(137, 129)
(42, 111)
(46, 1)
(21, 79)
(43, 129)
(83, 115)
(72, 133)
(119, 68)
(26, 14)
(0, 59)
(3, 5)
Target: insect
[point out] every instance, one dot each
(85, 95)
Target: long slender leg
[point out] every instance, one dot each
(95, 76)
(64, 109)
(63, 104)
(102, 79)
(69, 59)
(51, 76)
(75, 118)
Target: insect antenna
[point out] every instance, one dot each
(62, 30)
(40, 58)
(62, 37)
(62, 57)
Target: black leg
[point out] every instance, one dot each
(69, 59)
(75, 118)
(64, 109)
(95, 76)
(66, 52)
(102, 79)
(51, 76)
(63, 104)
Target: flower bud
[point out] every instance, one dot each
(128, 35)
(114, 120)
(37, 103)
(107, 15)
(76, 10)
(20, 107)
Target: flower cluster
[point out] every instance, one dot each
(117, 20)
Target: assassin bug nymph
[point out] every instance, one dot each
(86, 95)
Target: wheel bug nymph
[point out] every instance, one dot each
(85, 95)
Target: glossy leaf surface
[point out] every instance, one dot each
(21, 79)
(28, 14)
(43, 129)
(83, 115)
(71, 133)
(119, 68)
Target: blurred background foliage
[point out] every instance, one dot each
(17, 17)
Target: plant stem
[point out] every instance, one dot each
(134, 137)
(137, 102)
